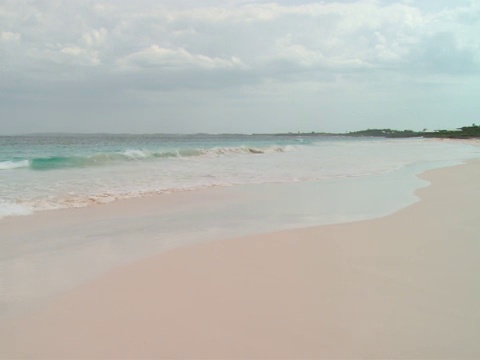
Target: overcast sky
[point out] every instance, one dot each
(214, 66)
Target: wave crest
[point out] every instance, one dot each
(61, 162)
(12, 164)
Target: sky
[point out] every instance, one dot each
(238, 66)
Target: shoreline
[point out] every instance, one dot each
(35, 247)
(19, 208)
(400, 286)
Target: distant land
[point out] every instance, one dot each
(465, 132)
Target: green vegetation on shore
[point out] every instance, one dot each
(465, 132)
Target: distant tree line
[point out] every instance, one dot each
(389, 133)
(465, 132)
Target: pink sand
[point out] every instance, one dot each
(401, 286)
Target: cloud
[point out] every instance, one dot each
(300, 56)
(94, 37)
(10, 37)
(107, 50)
(173, 59)
(80, 56)
(443, 53)
(315, 37)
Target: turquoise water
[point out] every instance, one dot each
(45, 172)
(47, 152)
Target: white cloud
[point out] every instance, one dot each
(122, 47)
(314, 36)
(173, 59)
(10, 37)
(301, 56)
(80, 56)
(94, 37)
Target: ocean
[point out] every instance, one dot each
(47, 172)
(57, 230)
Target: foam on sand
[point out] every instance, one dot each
(11, 209)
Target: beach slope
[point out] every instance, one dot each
(402, 286)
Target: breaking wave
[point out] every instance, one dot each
(61, 162)
(13, 209)
(9, 165)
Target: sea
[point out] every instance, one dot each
(75, 206)
(48, 172)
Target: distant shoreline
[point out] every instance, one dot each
(465, 132)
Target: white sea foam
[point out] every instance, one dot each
(136, 154)
(9, 165)
(12, 209)
(246, 150)
(107, 158)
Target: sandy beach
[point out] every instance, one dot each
(239, 179)
(401, 286)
